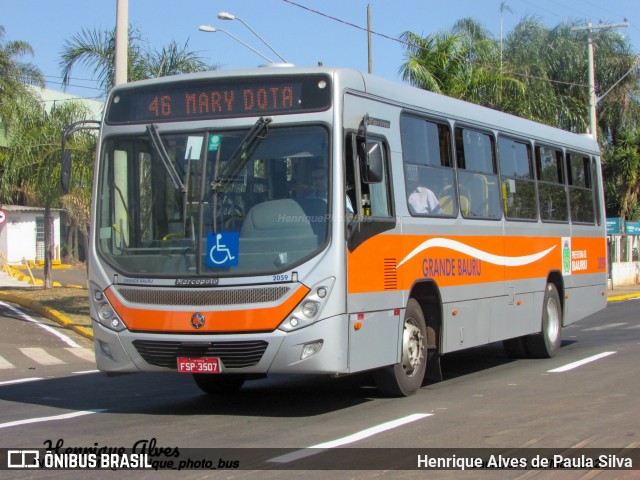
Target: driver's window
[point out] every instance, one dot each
(375, 196)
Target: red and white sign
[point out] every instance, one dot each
(198, 365)
(3, 217)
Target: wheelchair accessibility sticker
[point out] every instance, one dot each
(222, 249)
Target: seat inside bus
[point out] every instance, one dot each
(276, 232)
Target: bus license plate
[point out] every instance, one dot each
(198, 365)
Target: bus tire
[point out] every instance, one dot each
(218, 384)
(405, 378)
(546, 343)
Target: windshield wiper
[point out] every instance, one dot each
(158, 146)
(241, 154)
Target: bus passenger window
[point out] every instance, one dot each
(552, 194)
(477, 178)
(580, 189)
(428, 172)
(518, 184)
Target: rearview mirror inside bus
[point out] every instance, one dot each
(371, 162)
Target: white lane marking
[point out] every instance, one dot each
(53, 418)
(4, 364)
(41, 356)
(83, 353)
(21, 380)
(579, 363)
(603, 327)
(28, 318)
(369, 432)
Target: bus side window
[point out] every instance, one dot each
(428, 172)
(517, 180)
(551, 186)
(375, 194)
(477, 175)
(594, 184)
(580, 189)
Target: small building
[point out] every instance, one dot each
(22, 233)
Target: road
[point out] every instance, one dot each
(486, 400)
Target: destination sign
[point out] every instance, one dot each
(220, 98)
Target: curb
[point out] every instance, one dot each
(18, 275)
(49, 313)
(619, 298)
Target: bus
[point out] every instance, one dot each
(324, 221)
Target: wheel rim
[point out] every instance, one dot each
(553, 320)
(412, 348)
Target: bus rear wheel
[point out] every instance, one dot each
(218, 384)
(405, 378)
(546, 343)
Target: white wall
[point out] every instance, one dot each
(18, 236)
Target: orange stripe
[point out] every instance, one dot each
(366, 272)
(242, 320)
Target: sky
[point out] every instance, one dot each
(304, 32)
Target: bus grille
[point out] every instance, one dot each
(236, 296)
(231, 354)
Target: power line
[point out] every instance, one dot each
(388, 37)
(408, 44)
(73, 85)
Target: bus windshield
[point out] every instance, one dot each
(214, 203)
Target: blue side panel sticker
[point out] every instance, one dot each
(222, 249)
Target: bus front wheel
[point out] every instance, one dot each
(405, 378)
(546, 343)
(218, 384)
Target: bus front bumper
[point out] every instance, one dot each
(275, 352)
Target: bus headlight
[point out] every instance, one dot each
(308, 310)
(105, 313)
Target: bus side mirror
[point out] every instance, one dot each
(65, 172)
(65, 165)
(371, 162)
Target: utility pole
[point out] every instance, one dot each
(369, 38)
(122, 40)
(593, 126)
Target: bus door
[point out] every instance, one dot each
(373, 295)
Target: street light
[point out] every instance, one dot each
(229, 16)
(210, 29)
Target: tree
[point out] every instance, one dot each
(35, 152)
(15, 75)
(463, 63)
(542, 74)
(94, 48)
(621, 169)
(77, 202)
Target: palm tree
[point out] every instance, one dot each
(34, 149)
(95, 48)
(433, 62)
(541, 74)
(15, 75)
(463, 63)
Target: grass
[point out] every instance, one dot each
(71, 302)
